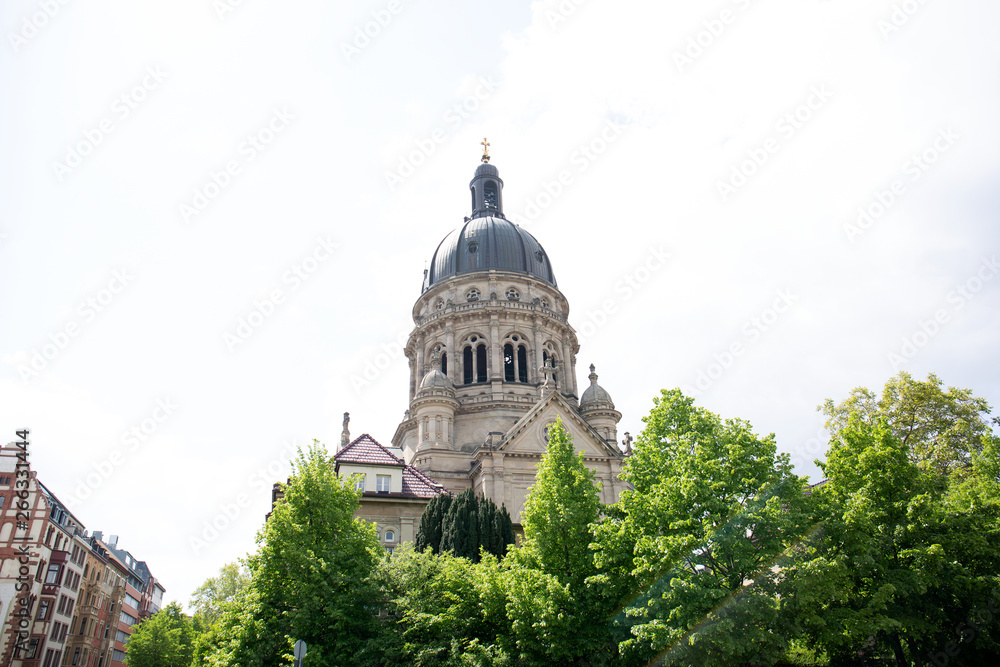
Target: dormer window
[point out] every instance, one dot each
(382, 483)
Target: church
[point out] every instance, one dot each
(492, 361)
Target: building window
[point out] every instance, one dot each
(359, 484)
(481, 363)
(508, 362)
(52, 576)
(467, 366)
(439, 304)
(444, 363)
(44, 606)
(390, 536)
(127, 619)
(513, 294)
(522, 363)
(118, 656)
(382, 483)
(472, 295)
(32, 649)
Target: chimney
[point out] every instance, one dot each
(113, 541)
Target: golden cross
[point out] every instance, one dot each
(486, 149)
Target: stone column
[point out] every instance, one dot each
(567, 371)
(495, 373)
(420, 363)
(536, 360)
(450, 349)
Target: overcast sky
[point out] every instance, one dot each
(215, 215)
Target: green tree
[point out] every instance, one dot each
(942, 427)
(163, 640)
(448, 610)
(464, 525)
(908, 551)
(211, 597)
(311, 577)
(555, 615)
(431, 522)
(460, 529)
(695, 543)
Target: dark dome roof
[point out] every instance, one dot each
(485, 243)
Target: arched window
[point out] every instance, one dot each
(444, 363)
(513, 294)
(522, 364)
(490, 194)
(481, 363)
(508, 362)
(390, 536)
(467, 366)
(472, 295)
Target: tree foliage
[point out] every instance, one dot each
(942, 428)
(311, 578)
(165, 639)
(211, 597)
(464, 525)
(713, 509)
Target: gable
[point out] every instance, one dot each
(527, 436)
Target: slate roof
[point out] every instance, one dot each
(365, 450)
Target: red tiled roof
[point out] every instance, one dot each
(365, 450)
(419, 484)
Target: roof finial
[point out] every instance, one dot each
(593, 375)
(345, 435)
(486, 149)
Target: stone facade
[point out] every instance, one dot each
(492, 361)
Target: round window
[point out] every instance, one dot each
(513, 294)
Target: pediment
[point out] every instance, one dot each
(527, 436)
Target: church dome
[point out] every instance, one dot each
(487, 240)
(595, 396)
(488, 243)
(435, 379)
